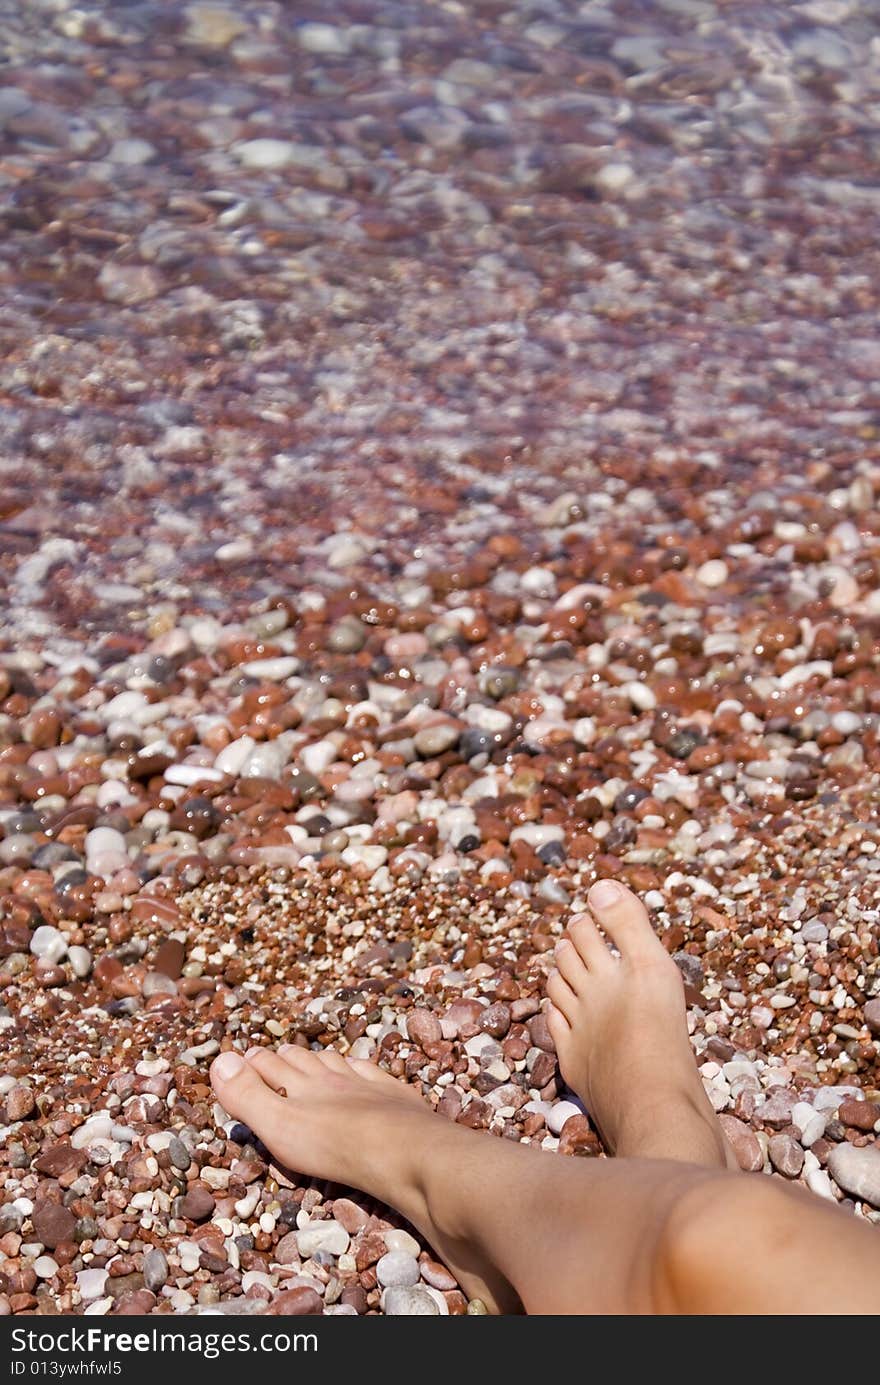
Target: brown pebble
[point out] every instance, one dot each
(367, 1249)
(20, 1104)
(297, 1303)
(543, 1069)
(423, 1027)
(786, 1155)
(437, 1275)
(135, 1303)
(53, 1223)
(286, 1251)
(860, 1115)
(744, 1143)
(198, 1203)
(578, 1138)
(496, 1020)
(353, 1296)
(349, 1215)
(539, 1033)
(61, 1159)
(169, 958)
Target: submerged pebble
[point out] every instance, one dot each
(442, 475)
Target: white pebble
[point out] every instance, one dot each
(189, 1255)
(818, 1182)
(47, 943)
(538, 834)
(330, 1236)
(365, 855)
(80, 960)
(215, 1178)
(151, 1067)
(233, 758)
(247, 1204)
(252, 1277)
(317, 756)
(641, 696)
(712, 574)
(614, 177)
(809, 1123)
(409, 1301)
(131, 151)
(316, 37)
(584, 731)
(560, 1113)
(274, 670)
(269, 155)
(99, 1307)
(159, 1140)
(90, 1283)
(402, 1240)
(97, 1127)
(185, 775)
(539, 581)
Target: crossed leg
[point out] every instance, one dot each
(666, 1227)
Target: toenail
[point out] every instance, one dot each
(563, 943)
(605, 893)
(252, 1050)
(228, 1065)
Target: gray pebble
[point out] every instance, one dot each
(408, 1302)
(179, 1154)
(347, 636)
(155, 1269)
(857, 1171)
(434, 740)
(397, 1270)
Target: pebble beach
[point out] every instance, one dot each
(440, 452)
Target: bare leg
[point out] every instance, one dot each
(620, 1031)
(603, 1236)
(666, 1228)
(372, 1090)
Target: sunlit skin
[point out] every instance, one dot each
(668, 1226)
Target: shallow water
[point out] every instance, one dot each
(504, 253)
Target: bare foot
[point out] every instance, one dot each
(348, 1121)
(619, 1025)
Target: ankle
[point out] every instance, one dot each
(674, 1125)
(393, 1157)
(451, 1165)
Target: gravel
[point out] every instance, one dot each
(446, 477)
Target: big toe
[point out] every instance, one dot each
(242, 1092)
(623, 917)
